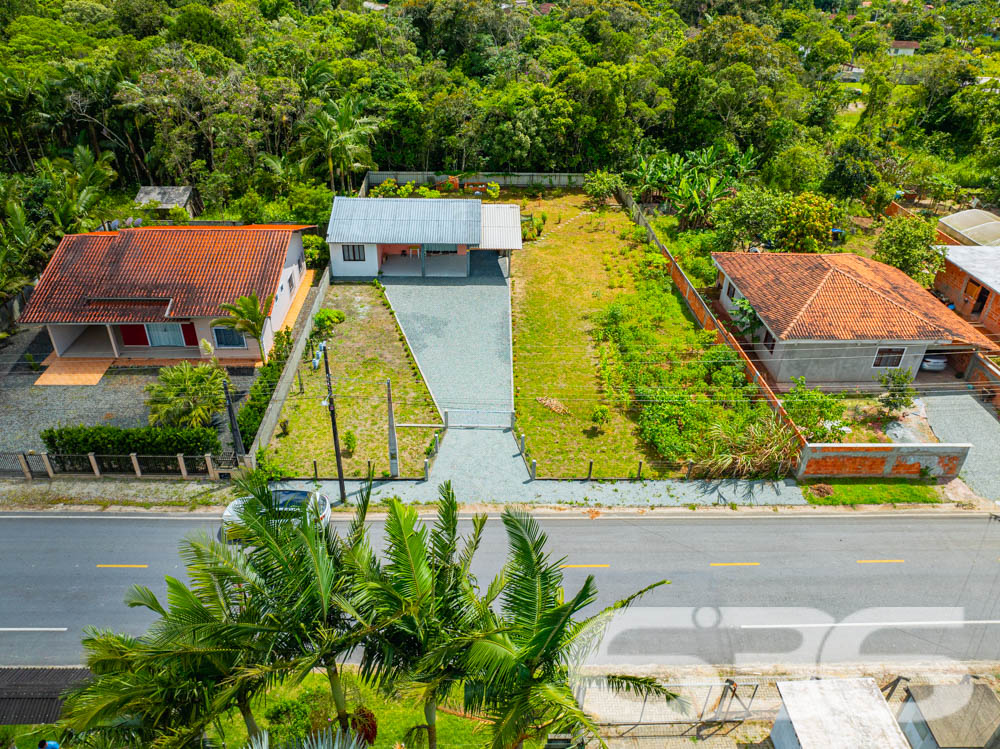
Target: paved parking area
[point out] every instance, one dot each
(962, 418)
(459, 332)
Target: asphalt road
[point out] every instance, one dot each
(744, 590)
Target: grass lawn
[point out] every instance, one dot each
(395, 716)
(574, 270)
(864, 417)
(365, 350)
(871, 492)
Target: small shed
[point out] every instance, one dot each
(167, 198)
(29, 696)
(835, 714)
(951, 716)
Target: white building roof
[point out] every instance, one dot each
(501, 227)
(972, 227)
(840, 714)
(982, 263)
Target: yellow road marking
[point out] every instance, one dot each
(734, 564)
(881, 561)
(129, 566)
(581, 566)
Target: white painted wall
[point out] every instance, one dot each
(339, 268)
(62, 336)
(288, 283)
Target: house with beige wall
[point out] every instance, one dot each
(152, 292)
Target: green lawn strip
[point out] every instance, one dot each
(395, 716)
(364, 351)
(574, 270)
(862, 491)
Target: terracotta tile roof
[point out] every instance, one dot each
(842, 297)
(903, 44)
(158, 273)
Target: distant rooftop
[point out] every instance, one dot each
(165, 197)
(960, 715)
(972, 227)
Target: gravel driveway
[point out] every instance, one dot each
(459, 332)
(962, 418)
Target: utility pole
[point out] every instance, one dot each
(233, 424)
(333, 423)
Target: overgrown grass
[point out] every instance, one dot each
(871, 492)
(692, 249)
(364, 351)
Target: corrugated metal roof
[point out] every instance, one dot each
(166, 197)
(501, 227)
(405, 221)
(29, 696)
(982, 263)
(841, 714)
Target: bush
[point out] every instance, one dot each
(350, 442)
(899, 391)
(252, 412)
(600, 186)
(818, 415)
(325, 321)
(805, 223)
(110, 440)
(288, 720)
(908, 243)
(600, 415)
(316, 251)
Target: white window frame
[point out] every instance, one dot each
(354, 250)
(878, 355)
(731, 290)
(215, 337)
(149, 337)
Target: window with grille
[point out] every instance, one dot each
(889, 357)
(354, 252)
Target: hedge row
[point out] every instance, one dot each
(109, 440)
(252, 412)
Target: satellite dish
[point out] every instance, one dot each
(115, 224)
(128, 221)
(137, 222)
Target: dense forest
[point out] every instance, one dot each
(269, 106)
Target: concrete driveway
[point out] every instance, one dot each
(962, 418)
(459, 332)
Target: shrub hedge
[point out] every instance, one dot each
(252, 412)
(110, 440)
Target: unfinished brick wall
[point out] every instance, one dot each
(984, 375)
(827, 460)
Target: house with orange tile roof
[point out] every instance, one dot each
(152, 292)
(841, 318)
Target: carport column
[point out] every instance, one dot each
(114, 343)
(423, 261)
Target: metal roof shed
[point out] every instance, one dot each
(405, 221)
(31, 696)
(951, 716)
(982, 263)
(835, 714)
(167, 197)
(501, 227)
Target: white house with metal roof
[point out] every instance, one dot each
(418, 236)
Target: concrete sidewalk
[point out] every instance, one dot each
(484, 465)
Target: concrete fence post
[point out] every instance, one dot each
(183, 467)
(446, 418)
(534, 469)
(135, 465)
(213, 475)
(48, 465)
(427, 469)
(522, 443)
(437, 443)
(93, 464)
(513, 421)
(25, 469)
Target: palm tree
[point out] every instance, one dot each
(428, 596)
(527, 664)
(323, 740)
(340, 135)
(248, 316)
(186, 395)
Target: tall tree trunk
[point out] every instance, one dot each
(333, 185)
(430, 715)
(339, 699)
(243, 703)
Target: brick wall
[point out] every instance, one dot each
(984, 375)
(835, 460)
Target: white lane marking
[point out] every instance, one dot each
(33, 629)
(818, 625)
